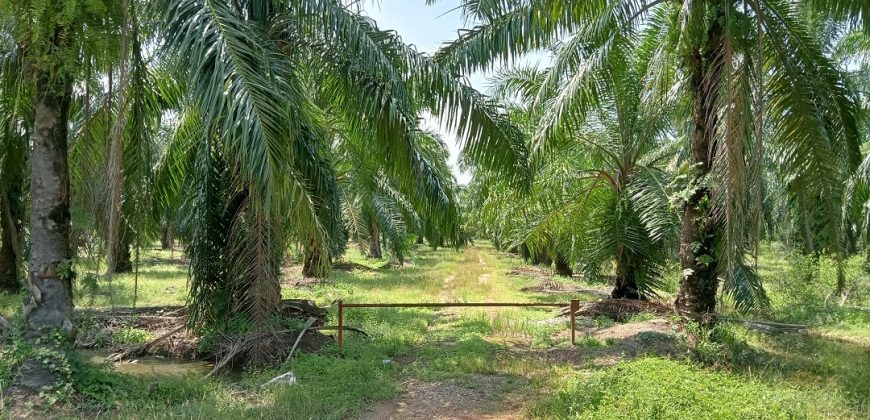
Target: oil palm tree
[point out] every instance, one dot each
(252, 150)
(799, 221)
(599, 190)
(741, 70)
(620, 212)
(42, 43)
(115, 118)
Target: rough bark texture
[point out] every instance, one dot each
(563, 267)
(49, 305)
(375, 242)
(625, 284)
(542, 258)
(698, 234)
(309, 264)
(166, 238)
(123, 261)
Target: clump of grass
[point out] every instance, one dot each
(642, 316)
(603, 322)
(131, 335)
(590, 341)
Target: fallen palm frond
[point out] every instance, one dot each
(100, 328)
(236, 350)
(346, 328)
(141, 349)
(308, 324)
(557, 287)
(769, 326)
(619, 309)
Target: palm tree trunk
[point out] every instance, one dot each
(563, 267)
(542, 258)
(866, 265)
(524, 252)
(841, 279)
(11, 215)
(309, 263)
(375, 241)
(50, 304)
(165, 238)
(698, 234)
(625, 284)
(123, 262)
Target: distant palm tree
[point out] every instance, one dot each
(740, 68)
(613, 206)
(599, 193)
(377, 203)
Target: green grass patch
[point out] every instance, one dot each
(651, 388)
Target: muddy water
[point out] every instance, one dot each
(149, 365)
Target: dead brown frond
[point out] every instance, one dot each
(255, 249)
(263, 347)
(620, 309)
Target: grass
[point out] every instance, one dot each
(740, 374)
(650, 388)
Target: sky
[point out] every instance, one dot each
(427, 28)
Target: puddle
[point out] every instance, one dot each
(149, 365)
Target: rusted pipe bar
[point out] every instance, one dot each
(456, 304)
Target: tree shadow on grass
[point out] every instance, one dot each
(805, 359)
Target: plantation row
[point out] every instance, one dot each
(659, 134)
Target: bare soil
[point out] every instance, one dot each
(469, 397)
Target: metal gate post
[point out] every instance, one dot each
(575, 306)
(340, 326)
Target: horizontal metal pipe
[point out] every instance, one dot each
(455, 304)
